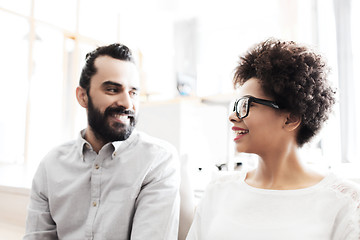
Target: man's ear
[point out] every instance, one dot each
(292, 122)
(82, 97)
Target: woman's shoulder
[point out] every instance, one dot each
(345, 189)
(221, 184)
(225, 177)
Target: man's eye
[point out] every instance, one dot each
(112, 90)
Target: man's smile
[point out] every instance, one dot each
(122, 118)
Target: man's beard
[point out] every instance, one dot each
(105, 131)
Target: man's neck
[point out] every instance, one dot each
(95, 141)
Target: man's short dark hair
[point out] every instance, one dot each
(116, 50)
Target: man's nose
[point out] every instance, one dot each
(125, 101)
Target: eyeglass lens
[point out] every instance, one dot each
(242, 107)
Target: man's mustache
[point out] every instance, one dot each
(119, 110)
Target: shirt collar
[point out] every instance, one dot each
(118, 145)
(82, 144)
(121, 145)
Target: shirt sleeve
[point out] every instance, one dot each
(195, 229)
(347, 223)
(203, 213)
(39, 223)
(158, 204)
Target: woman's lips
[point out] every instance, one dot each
(240, 132)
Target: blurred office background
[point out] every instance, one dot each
(186, 51)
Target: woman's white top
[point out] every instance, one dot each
(232, 209)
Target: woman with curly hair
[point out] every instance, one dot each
(283, 101)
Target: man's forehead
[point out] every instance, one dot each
(116, 71)
(105, 60)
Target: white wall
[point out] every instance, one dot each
(13, 208)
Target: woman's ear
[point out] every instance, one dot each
(82, 97)
(292, 122)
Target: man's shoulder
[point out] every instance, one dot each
(155, 144)
(159, 155)
(65, 149)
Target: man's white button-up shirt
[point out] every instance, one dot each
(129, 190)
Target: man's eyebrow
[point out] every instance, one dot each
(107, 83)
(111, 83)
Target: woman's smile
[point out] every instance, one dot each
(239, 132)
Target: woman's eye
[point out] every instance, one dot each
(133, 93)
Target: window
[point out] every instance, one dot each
(14, 87)
(43, 52)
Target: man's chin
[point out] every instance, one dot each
(116, 131)
(116, 122)
(123, 133)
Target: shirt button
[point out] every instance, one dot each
(114, 154)
(94, 204)
(97, 166)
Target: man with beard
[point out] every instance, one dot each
(113, 182)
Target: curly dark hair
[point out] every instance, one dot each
(115, 50)
(295, 77)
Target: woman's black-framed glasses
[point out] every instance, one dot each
(242, 105)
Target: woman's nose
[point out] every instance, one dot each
(233, 117)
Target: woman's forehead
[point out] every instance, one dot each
(252, 87)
